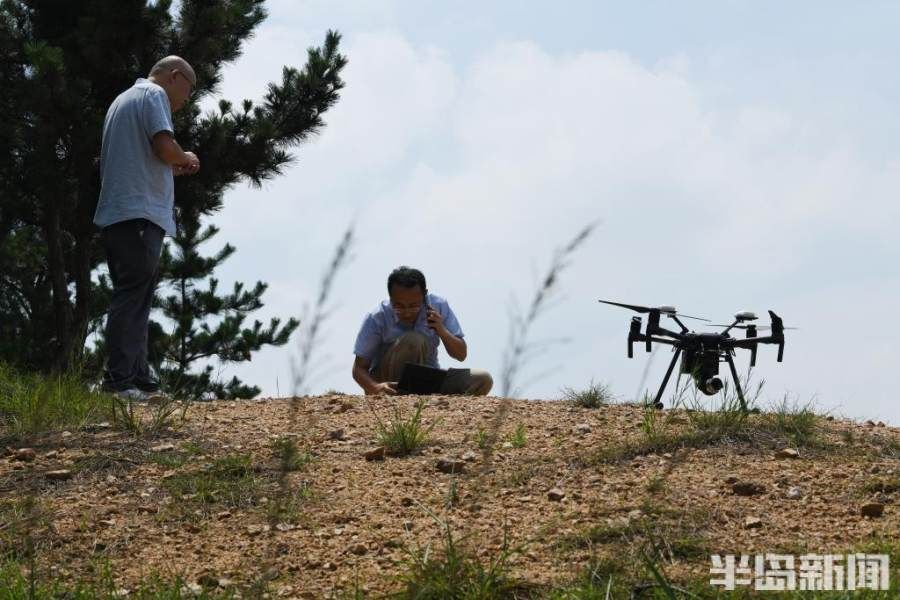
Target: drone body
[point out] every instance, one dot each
(701, 353)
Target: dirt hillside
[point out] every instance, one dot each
(222, 501)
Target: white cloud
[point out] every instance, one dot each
(476, 171)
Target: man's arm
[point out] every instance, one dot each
(366, 382)
(169, 151)
(455, 346)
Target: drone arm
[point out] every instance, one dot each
(680, 324)
(750, 344)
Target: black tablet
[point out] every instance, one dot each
(421, 379)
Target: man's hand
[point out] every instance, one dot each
(386, 387)
(189, 167)
(435, 321)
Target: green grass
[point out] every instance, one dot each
(289, 456)
(798, 423)
(691, 424)
(482, 438)
(454, 572)
(402, 435)
(35, 403)
(230, 481)
(174, 459)
(888, 485)
(288, 505)
(519, 438)
(25, 525)
(17, 583)
(595, 396)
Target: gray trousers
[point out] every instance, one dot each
(413, 347)
(133, 249)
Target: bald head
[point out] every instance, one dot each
(176, 77)
(173, 63)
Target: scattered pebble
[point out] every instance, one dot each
(747, 488)
(556, 495)
(787, 453)
(449, 465)
(59, 475)
(25, 454)
(872, 509)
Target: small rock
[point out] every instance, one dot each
(469, 456)
(344, 407)
(208, 581)
(870, 423)
(731, 479)
(787, 453)
(257, 529)
(25, 454)
(872, 509)
(882, 498)
(51, 454)
(447, 465)
(667, 455)
(163, 448)
(407, 501)
(752, 523)
(59, 475)
(793, 493)
(66, 434)
(375, 453)
(223, 515)
(439, 403)
(507, 445)
(337, 434)
(747, 488)
(408, 525)
(582, 428)
(556, 495)
(358, 549)
(283, 527)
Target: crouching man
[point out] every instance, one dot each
(408, 327)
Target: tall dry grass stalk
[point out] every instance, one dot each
(520, 348)
(304, 368)
(519, 351)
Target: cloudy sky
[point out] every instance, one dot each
(738, 155)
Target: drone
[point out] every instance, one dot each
(701, 353)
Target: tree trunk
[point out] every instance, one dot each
(62, 309)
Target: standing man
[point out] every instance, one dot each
(138, 158)
(408, 327)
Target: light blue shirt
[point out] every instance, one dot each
(135, 184)
(381, 328)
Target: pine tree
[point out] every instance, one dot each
(61, 64)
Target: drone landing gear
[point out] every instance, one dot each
(657, 403)
(737, 382)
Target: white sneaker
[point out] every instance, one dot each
(158, 397)
(131, 395)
